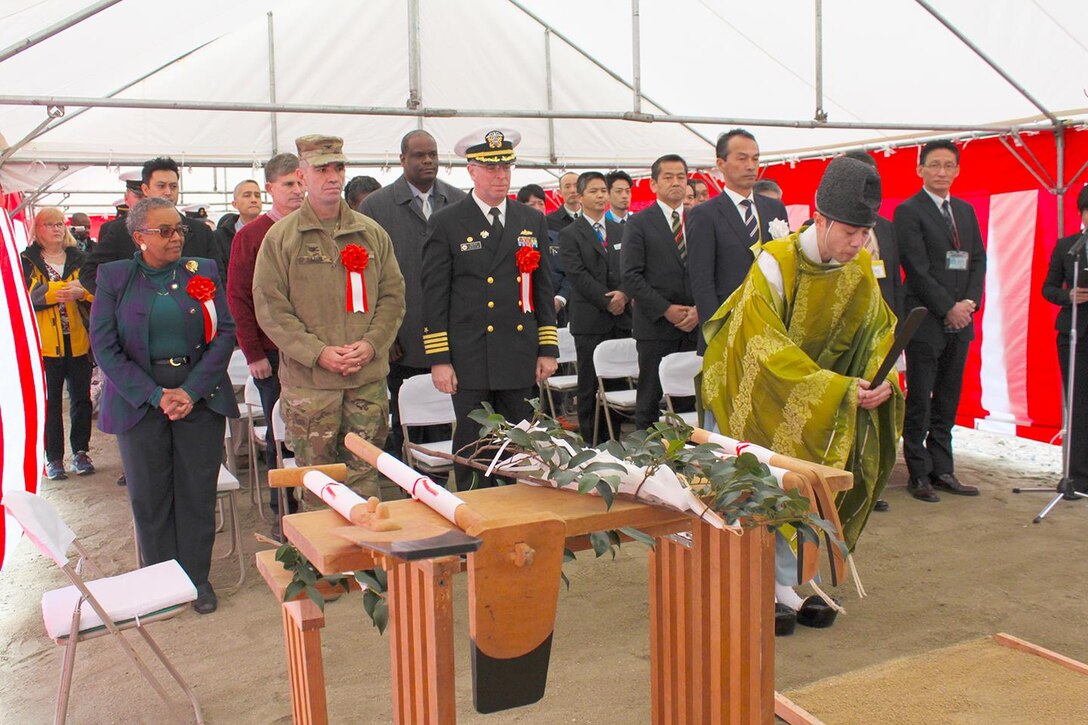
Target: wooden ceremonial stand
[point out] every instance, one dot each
(712, 606)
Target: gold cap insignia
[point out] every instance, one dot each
(494, 139)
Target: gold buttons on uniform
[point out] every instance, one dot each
(491, 280)
(490, 304)
(521, 327)
(490, 328)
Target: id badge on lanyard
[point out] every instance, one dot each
(956, 260)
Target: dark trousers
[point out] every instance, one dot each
(171, 469)
(1077, 420)
(394, 444)
(934, 381)
(584, 345)
(76, 371)
(648, 390)
(269, 391)
(511, 404)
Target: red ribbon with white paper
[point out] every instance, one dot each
(355, 259)
(202, 290)
(528, 259)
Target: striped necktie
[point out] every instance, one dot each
(872, 245)
(678, 235)
(750, 220)
(946, 208)
(597, 229)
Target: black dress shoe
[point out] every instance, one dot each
(785, 620)
(948, 482)
(922, 490)
(881, 505)
(815, 612)
(206, 602)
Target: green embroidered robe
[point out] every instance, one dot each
(782, 371)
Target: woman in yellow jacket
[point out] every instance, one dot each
(51, 265)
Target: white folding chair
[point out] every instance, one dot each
(252, 398)
(614, 359)
(420, 403)
(561, 384)
(238, 369)
(677, 374)
(279, 434)
(105, 606)
(226, 499)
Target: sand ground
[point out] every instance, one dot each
(936, 575)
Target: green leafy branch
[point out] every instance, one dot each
(305, 579)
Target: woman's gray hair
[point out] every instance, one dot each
(137, 215)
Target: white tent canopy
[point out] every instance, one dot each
(890, 71)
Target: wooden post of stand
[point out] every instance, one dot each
(302, 623)
(712, 628)
(421, 640)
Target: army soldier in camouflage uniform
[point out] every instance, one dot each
(328, 292)
(488, 312)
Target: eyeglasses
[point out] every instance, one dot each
(947, 166)
(166, 231)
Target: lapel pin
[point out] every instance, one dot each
(191, 266)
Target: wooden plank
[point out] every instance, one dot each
(292, 477)
(1007, 640)
(792, 713)
(581, 514)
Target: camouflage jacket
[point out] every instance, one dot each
(300, 291)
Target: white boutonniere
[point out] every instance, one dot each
(779, 228)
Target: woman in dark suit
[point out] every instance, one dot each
(1061, 289)
(163, 335)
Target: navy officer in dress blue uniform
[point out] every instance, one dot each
(488, 313)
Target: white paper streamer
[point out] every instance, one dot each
(338, 496)
(420, 487)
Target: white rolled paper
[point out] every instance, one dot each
(419, 487)
(338, 496)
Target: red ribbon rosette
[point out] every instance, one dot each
(355, 258)
(202, 290)
(527, 259)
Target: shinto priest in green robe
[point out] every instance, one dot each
(784, 356)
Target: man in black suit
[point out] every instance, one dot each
(489, 330)
(403, 208)
(599, 308)
(619, 196)
(655, 276)
(725, 233)
(159, 179)
(1060, 289)
(940, 246)
(572, 205)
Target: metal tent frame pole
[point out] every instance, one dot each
(272, 82)
(425, 112)
(55, 28)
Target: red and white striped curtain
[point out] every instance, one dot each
(22, 386)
